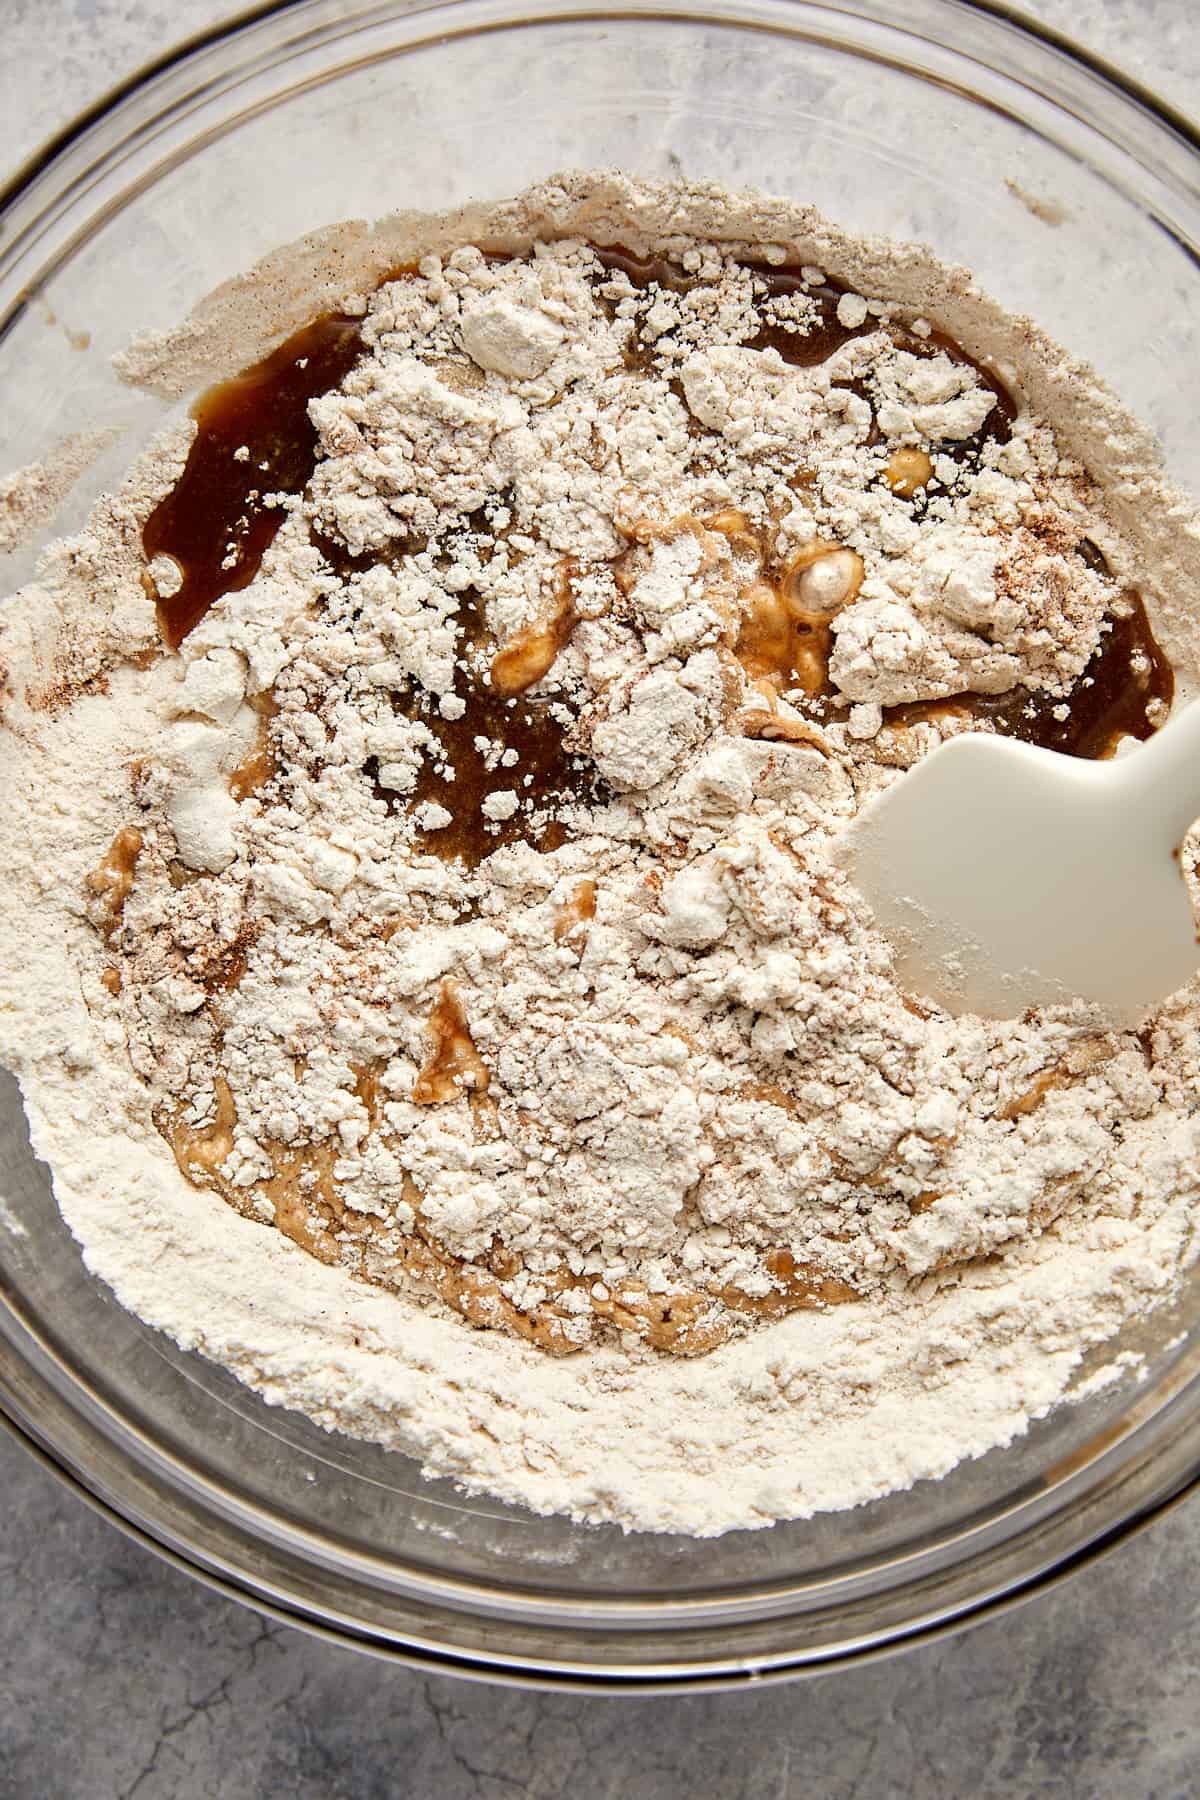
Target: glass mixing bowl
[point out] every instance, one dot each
(1075, 198)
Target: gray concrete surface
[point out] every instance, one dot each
(123, 1680)
(120, 1678)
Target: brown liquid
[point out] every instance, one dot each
(454, 1066)
(345, 563)
(533, 652)
(307, 1206)
(796, 1285)
(545, 775)
(213, 522)
(255, 770)
(907, 471)
(805, 349)
(997, 427)
(215, 517)
(784, 640)
(112, 878)
(826, 334)
(780, 651)
(575, 911)
(646, 271)
(1125, 691)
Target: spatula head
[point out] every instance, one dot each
(1008, 877)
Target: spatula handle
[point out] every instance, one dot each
(1164, 775)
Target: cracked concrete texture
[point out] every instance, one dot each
(120, 1677)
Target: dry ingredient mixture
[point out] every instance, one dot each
(477, 1044)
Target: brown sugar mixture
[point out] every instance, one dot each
(426, 950)
(543, 625)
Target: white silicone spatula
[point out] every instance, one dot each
(1008, 876)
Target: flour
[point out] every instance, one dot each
(30, 498)
(434, 988)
